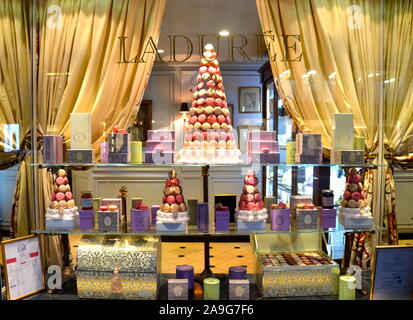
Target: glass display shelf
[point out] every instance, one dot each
(192, 231)
(243, 165)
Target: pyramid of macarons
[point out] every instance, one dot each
(62, 197)
(251, 199)
(173, 199)
(209, 125)
(354, 194)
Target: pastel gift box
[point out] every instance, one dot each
(140, 220)
(154, 157)
(80, 156)
(161, 135)
(81, 131)
(108, 221)
(244, 225)
(308, 143)
(328, 218)
(116, 157)
(52, 149)
(104, 152)
(119, 142)
(177, 289)
(309, 158)
(222, 219)
(280, 219)
(307, 219)
(262, 146)
(202, 217)
(260, 157)
(160, 146)
(61, 224)
(171, 227)
(343, 131)
(87, 219)
(239, 289)
(347, 156)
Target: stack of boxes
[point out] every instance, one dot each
(160, 147)
(80, 139)
(52, 149)
(346, 148)
(309, 149)
(119, 147)
(263, 147)
(109, 215)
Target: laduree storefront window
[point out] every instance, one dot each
(281, 124)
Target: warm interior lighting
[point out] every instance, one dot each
(224, 33)
(161, 51)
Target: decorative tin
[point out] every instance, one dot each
(177, 289)
(239, 289)
(136, 261)
(280, 219)
(307, 219)
(80, 156)
(108, 221)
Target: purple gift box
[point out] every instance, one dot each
(237, 272)
(160, 146)
(222, 219)
(159, 157)
(186, 271)
(280, 219)
(87, 219)
(270, 157)
(154, 211)
(161, 135)
(140, 220)
(117, 157)
(328, 218)
(52, 149)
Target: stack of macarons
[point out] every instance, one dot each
(251, 199)
(61, 197)
(173, 199)
(354, 194)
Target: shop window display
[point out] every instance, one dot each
(312, 185)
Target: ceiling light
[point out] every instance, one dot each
(224, 33)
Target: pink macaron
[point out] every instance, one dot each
(202, 118)
(200, 102)
(356, 196)
(53, 196)
(251, 173)
(60, 180)
(218, 102)
(228, 120)
(168, 183)
(179, 198)
(347, 195)
(221, 119)
(192, 120)
(194, 104)
(200, 85)
(259, 205)
(170, 199)
(355, 179)
(210, 84)
(164, 199)
(242, 205)
(250, 197)
(250, 206)
(211, 119)
(243, 197)
(258, 197)
(212, 70)
(68, 195)
(203, 69)
(253, 181)
(223, 135)
(60, 196)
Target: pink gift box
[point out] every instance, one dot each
(263, 146)
(160, 146)
(262, 135)
(161, 135)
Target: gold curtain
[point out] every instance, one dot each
(15, 95)
(340, 62)
(398, 95)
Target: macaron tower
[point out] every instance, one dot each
(354, 211)
(173, 214)
(209, 136)
(251, 214)
(62, 213)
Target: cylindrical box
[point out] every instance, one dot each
(154, 210)
(347, 288)
(136, 152)
(222, 218)
(202, 217)
(211, 289)
(280, 219)
(140, 220)
(186, 271)
(237, 272)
